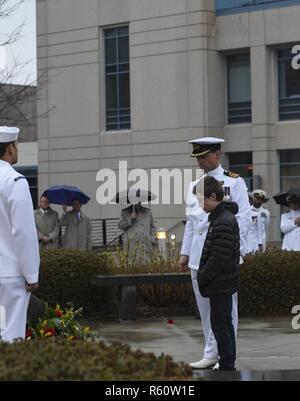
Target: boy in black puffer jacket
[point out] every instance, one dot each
(218, 274)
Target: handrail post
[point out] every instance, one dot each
(104, 232)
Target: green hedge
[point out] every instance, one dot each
(64, 279)
(81, 360)
(270, 283)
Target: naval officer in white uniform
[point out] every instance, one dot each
(207, 150)
(255, 233)
(290, 225)
(19, 250)
(259, 197)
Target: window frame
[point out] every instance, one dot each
(228, 109)
(233, 166)
(294, 100)
(22, 170)
(281, 177)
(103, 86)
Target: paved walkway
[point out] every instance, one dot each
(264, 344)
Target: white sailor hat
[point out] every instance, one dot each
(9, 134)
(260, 194)
(205, 145)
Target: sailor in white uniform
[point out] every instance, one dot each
(208, 153)
(255, 233)
(290, 225)
(259, 197)
(19, 250)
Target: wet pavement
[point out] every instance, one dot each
(247, 375)
(267, 348)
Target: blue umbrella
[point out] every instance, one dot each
(64, 195)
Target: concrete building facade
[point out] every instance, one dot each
(197, 68)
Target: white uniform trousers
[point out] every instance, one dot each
(14, 300)
(211, 349)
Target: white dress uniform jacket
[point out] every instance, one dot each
(19, 250)
(255, 233)
(265, 215)
(197, 220)
(291, 240)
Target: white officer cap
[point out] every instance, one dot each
(9, 134)
(205, 145)
(260, 194)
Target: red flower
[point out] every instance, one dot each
(50, 331)
(29, 333)
(58, 313)
(170, 321)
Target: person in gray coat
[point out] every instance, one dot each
(78, 234)
(139, 231)
(47, 225)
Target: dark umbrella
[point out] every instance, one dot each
(134, 196)
(64, 195)
(280, 198)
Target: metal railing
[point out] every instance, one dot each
(105, 233)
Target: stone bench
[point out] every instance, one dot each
(127, 284)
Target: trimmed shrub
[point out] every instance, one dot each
(178, 298)
(80, 360)
(270, 283)
(64, 279)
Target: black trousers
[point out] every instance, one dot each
(222, 327)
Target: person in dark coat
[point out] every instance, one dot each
(218, 274)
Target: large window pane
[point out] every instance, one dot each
(31, 174)
(239, 89)
(289, 169)
(239, 83)
(123, 49)
(117, 78)
(123, 31)
(241, 163)
(289, 86)
(111, 92)
(111, 51)
(124, 90)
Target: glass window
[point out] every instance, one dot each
(31, 174)
(117, 78)
(241, 163)
(239, 88)
(289, 86)
(289, 169)
(231, 4)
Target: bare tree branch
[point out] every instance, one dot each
(8, 7)
(18, 103)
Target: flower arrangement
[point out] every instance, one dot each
(59, 322)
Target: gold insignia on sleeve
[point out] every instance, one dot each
(231, 174)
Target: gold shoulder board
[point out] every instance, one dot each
(231, 174)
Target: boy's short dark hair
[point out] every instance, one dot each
(3, 147)
(213, 186)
